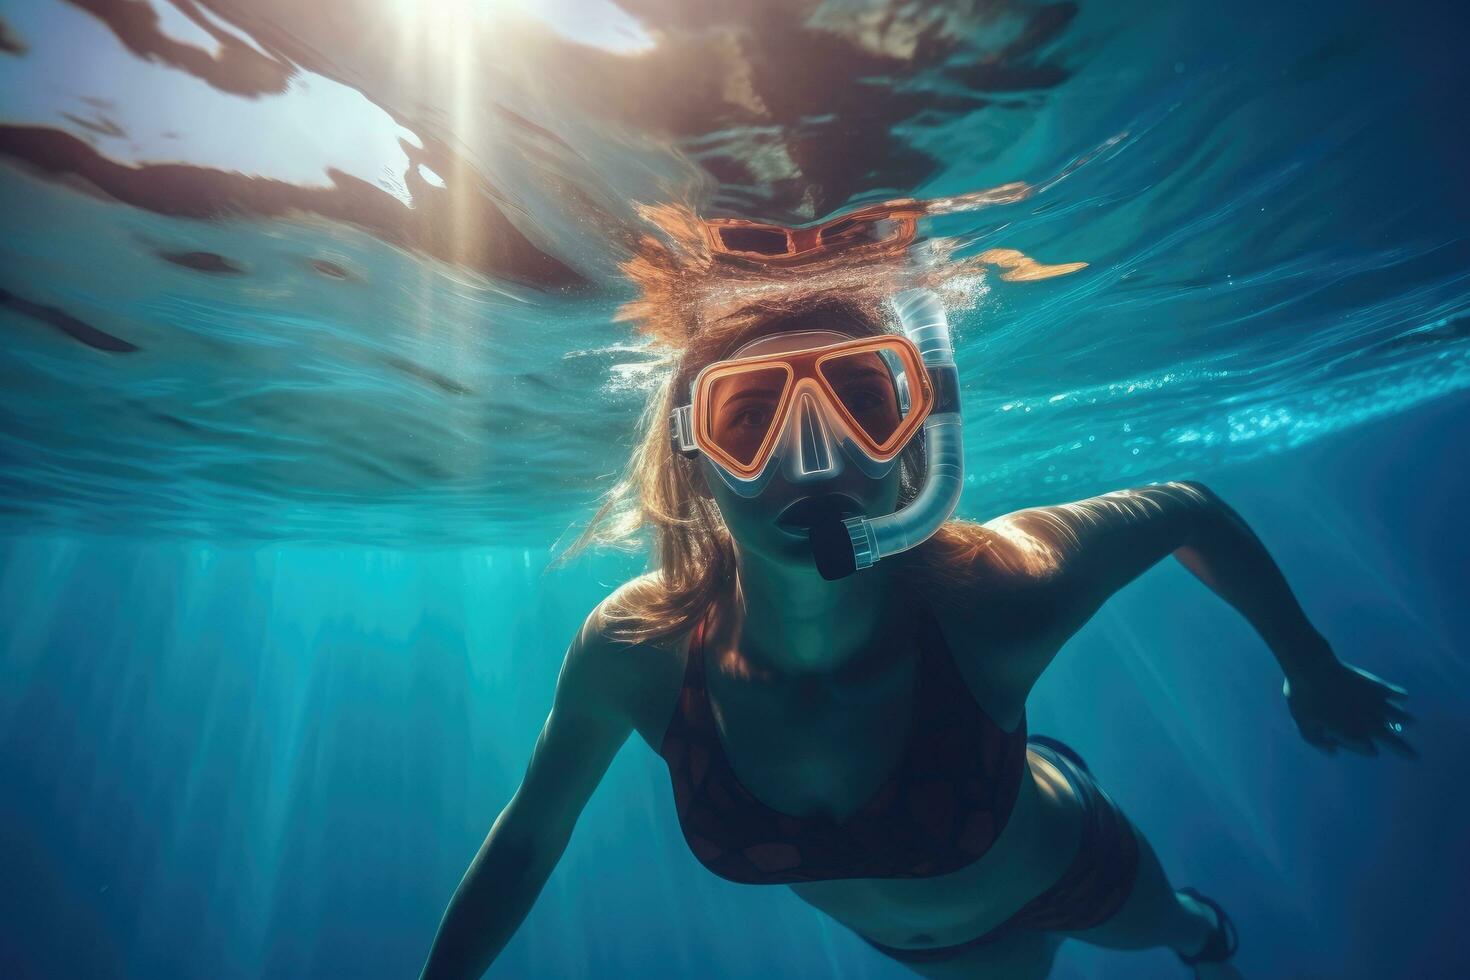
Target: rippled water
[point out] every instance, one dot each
(347, 271)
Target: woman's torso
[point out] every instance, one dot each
(829, 748)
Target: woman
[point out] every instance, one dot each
(862, 736)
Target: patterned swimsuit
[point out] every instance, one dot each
(940, 810)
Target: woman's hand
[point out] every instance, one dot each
(1337, 705)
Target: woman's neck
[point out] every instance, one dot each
(791, 621)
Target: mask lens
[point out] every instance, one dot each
(874, 388)
(760, 241)
(742, 410)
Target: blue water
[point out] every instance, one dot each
(278, 624)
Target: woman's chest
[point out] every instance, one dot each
(815, 751)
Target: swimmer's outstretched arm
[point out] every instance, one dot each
(587, 725)
(1075, 556)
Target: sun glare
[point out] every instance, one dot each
(595, 23)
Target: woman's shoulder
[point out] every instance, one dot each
(633, 617)
(973, 563)
(633, 655)
(990, 587)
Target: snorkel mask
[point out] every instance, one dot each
(806, 407)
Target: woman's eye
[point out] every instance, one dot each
(863, 400)
(752, 418)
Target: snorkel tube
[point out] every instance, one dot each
(841, 547)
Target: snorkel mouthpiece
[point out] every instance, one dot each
(840, 548)
(832, 548)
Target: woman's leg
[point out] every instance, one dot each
(1154, 914)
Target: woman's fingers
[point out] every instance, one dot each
(1398, 744)
(1393, 689)
(1358, 746)
(1398, 714)
(1316, 736)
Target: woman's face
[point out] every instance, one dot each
(774, 523)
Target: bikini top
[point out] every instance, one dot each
(941, 809)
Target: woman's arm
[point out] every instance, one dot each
(1077, 555)
(588, 723)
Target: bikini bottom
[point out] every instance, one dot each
(1088, 893)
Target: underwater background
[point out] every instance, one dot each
(310, 368)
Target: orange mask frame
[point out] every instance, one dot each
(803, 371)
